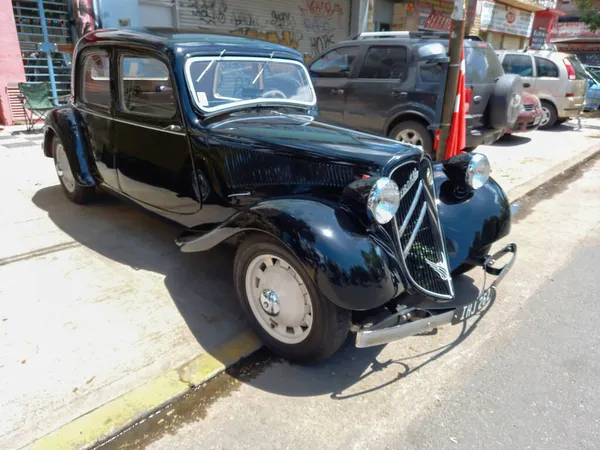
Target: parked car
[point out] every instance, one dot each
(530, 115)
(392, 84)
(558, 79)
(335, 227)
(592, 95)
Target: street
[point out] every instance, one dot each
(522, 375)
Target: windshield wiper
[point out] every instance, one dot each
(210, 65)
(263, 68)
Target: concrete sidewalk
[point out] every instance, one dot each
(102, 319)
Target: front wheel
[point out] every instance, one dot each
(284, 307)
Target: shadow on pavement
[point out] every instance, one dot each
(511, 140)
(201, 283)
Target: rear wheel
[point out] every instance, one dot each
(549, 117)
(284, 306)
(75, 192)
(415, 133)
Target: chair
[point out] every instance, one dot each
(37, 99)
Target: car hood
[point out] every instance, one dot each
(289, 134)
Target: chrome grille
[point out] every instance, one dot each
(418, 232)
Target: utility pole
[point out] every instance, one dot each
(457, 36)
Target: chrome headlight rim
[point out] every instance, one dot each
(478, 171)
(383, 200)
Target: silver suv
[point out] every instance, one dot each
(558, 79)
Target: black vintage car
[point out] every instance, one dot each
(218, 134)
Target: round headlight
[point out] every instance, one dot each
(478, 170)
(384, 200)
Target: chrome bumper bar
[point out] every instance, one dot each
(400, 325)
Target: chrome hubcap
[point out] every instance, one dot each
(411, 136)
(545, 117)
(279, 299)
(63, 169)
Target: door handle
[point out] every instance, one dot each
(402, 94)
(477, 99)
(172, 128)
(336, 91)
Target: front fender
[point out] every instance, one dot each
(63, 123)
(350, 268)
(474, 222)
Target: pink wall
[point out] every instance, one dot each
(11, 65)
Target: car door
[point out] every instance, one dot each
(93, 101)
(330, 74)
(381, 85)
(154, 164)
(522, 65)
(547, 77)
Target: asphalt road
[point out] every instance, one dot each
(524, 374)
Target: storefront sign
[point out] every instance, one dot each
(434, 14)
(435, 21)
(569, 30)
(505, 19)
(539, 37)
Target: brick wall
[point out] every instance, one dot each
(11, 63)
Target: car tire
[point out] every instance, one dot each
(414, 133)
(74, 191)
(550, 116)
(505, 101)
(304, 326)
(465, 267)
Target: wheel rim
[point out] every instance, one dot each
(545, 116)
(411, 136)
(63, 169)
(279, 299)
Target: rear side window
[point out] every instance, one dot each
(336, 62)
(146, 87)
(580, 72)
(482, 64)
(545, 68)
(385, 63)
(518, 65)
(95, 80)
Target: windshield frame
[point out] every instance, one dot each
(253, 102)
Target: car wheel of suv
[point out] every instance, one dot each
(505, 101)
(284, 306)
(550, 115)
(75, 192)
(414, 133)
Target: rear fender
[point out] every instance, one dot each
(350, 267)
(473, 222)
(64, 123)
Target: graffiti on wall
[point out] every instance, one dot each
(209, 12)
(321, 18)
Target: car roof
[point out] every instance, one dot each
(404, 40)
(188, 41)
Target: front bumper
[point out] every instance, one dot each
(425, 316)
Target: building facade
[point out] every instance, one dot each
(571, 35)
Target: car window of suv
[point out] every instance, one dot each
(481, 64)
(337, 62)
(545, 68)
(146, 87)
(385, 63)
(95, 80)
(518, 65)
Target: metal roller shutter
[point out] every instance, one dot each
(309, 26)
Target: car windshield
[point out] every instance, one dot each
(223, 82)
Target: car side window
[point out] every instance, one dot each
(545, 68)
(385, 63)
(146, 87)
(95, 80)
(518, 65)
(337, 62)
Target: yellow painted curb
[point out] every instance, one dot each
(122, 412)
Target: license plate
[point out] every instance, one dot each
(470, 309)
(537, 120)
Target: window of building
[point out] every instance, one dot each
(385, 63)
(95, 80)
(545, 68)
(146, 88)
